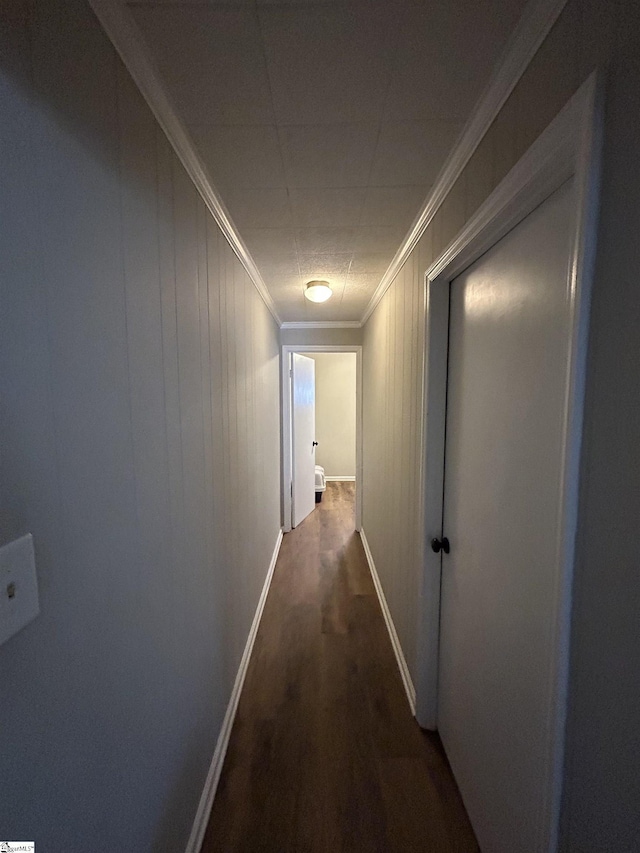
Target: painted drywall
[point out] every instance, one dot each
(139, 433)
(602, 785)
(336, 412)
(321, 337)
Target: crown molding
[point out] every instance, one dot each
(322, 324)
(128, 41)
(532, 28)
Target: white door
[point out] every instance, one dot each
(303, 423)
(510, 326)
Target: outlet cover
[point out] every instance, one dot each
(18, 586)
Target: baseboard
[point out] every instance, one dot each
(213, 776)
(393, 636)
(339, 479)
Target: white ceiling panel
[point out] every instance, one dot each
(328, 156)
(326, 311)
(315, 207)
(259, 207)
(281, 266)
(324, 124)
(412, 152)
(240, 156)
(329, 63)
(206, 43)
(283, 284)
(332, 266)
(270, 242)
(444, 82)
(324, 241)
(392, 206)
(371, 262)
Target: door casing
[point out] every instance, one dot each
(569, 147)
(285, 400)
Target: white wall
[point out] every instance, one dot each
(140, 446)
(336, 412)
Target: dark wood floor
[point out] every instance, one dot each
(324, 754)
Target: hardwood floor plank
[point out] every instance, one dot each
(324, 754)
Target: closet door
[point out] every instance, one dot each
(509, 340)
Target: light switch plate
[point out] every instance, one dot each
(18, 586)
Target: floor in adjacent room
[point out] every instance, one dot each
(324, 754)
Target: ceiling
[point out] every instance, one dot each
(324, 124)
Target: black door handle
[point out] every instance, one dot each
(315, 444)
(438, 545)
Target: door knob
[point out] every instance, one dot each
(438, 545)
(315, 443)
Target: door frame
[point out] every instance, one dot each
(568, 148)
(286, 432)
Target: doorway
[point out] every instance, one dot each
(506, 340)
(331, 435)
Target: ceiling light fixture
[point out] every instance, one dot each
(318, 291)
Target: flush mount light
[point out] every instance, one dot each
(318, 291)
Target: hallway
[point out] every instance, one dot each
(324, 754)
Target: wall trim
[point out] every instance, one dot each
(340, 479)
(322, 324)
(124, 34)
(532, 28)
(391, 628)
(213, 776)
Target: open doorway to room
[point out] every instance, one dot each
(321, 426)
